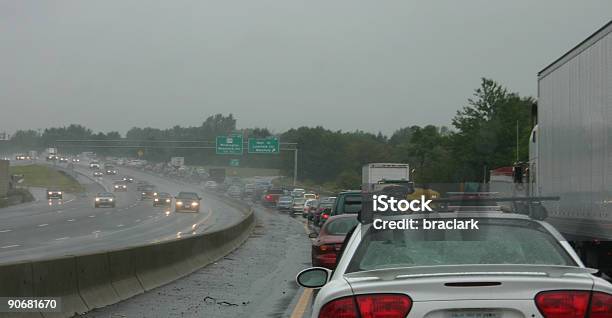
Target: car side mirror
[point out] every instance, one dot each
(314, 277)
(313, 235)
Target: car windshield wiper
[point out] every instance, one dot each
(470, 270)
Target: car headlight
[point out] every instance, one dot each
(143, 193)
(167, 200)
(155, 193)
(194, 203)
(60, 192)
(179, 202)
(50, 193)
(156, 200)
(111, 199)
(97, 199)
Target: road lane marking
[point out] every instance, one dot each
(5, 231)
(62, 238)
(9, 246)
(300, 307)
(137, 220)
(120, 225)
(60, 211)
(71, 220)
(42, 225)
(92, 216)
(95, 232)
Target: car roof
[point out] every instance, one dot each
(105, 194)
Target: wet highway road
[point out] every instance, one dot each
(43, 229)
(256, 280)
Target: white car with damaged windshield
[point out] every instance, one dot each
(513, 266)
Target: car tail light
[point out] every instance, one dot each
(601, 305)
(340, 308)
(325, 216)
(268, 197)
(368, 306)
(563, 303)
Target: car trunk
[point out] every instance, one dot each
(473, 296)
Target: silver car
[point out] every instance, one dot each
(512, 266)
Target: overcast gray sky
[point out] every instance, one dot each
(350, 64)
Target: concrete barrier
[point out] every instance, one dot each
(58, 278)
(123, 274)
(95, 287)
(91, 281)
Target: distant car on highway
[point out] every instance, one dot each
(54, 194)
(310, 196)
(148, 192)
(127, 179)
(324, 208)
(187, 201)
(63, 160)
(298, 193)
(298, 205)
(285, 203)
(271, 196)
(110, 170)
(75, 160)
(326, 248)
(120, 185)
(98, 173)
(211, 185)
(249, 189)
(234, 191)
(21, 157)
(94, 164)
(51, 158)
(162, 199)
(105, 199)
(309, 206)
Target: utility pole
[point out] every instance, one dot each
(295, 166)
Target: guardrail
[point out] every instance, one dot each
(89, 281)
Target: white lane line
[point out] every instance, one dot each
(120, 225)
(5, 231)
(62, 238)
(71, 220)
(60, 211)
(42, 225)
(137, 220)
(9, 246)
(96, 232)
(92, 216)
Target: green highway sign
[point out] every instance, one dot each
(264, 145)
(234, 162)
(229, 145)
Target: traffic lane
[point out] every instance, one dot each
(256, 280)
(131, 223)
(152, 229)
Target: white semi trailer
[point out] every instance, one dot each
(571, 147)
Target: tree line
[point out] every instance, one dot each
(483, 136)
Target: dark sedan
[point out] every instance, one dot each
(148, 192)
(54, 194)
(187, 201)
(162, 199)
(105, 199)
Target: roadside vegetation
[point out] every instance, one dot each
(46, 177)
(483, 136)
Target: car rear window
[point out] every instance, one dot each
(498, 241)
(349, 204)
(340, 226)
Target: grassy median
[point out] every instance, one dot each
(45, 177)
